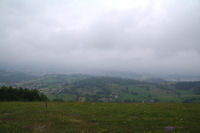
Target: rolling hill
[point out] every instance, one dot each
(80, 87)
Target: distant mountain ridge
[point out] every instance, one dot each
(13, 76)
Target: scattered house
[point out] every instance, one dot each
(103, 99)
(82, 99)
(152, 101)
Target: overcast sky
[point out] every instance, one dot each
(144, 36)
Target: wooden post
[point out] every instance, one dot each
(46, 104)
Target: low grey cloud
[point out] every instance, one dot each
(151, 36)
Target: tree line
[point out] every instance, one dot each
(21, 94)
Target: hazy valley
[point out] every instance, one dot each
(112, 88)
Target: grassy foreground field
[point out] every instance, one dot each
(17, 117)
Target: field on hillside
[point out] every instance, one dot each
(64, 117)
(84, 88)
(91, 88)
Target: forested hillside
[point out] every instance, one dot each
(19, 94)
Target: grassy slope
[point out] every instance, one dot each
(98, 117)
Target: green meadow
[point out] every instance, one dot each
(76, 117)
